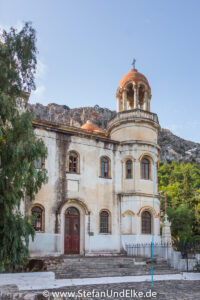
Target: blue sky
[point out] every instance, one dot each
(86, 46)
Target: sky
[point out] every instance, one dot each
(86, 47)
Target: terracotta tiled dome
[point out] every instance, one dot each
(133, 75)
(90, 126)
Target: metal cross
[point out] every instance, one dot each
(133, 63)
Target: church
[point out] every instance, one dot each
(101, 183)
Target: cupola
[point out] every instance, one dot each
(134, 91)
(90, 126)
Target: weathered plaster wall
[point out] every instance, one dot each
(134, 131)
(88, 191)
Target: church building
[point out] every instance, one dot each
(101, 183)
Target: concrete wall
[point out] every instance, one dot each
(45, 244)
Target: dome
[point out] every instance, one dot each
(90, 126)
(135, 76)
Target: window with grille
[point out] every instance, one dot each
(73, 162)
(72, 211)
(39, 163)
(146, 222)
(105, 167)
(145, 168)
(129, 169)
(104, 222)
(37, 212)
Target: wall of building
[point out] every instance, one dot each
(133, 131)
(91, 193)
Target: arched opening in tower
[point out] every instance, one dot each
(130, 96)
(141, 97)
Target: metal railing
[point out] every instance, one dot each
(181, 256)
(145, 249)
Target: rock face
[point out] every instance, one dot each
(172, 146)
(176, 148)
(74, 117)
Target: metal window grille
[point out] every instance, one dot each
(145, 168)
(146, 222)
(104, 222)
(38, 163)
(73, 162)
(104, 167)
(37, 222)
(72, 211)
(128, 169)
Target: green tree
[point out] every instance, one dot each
(180, 184)
(182, 219)
(19, 146)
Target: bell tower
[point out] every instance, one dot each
(136, 129)
(133, 91)
(134, 120)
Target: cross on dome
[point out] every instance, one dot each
(133, 63)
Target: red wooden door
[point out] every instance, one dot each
(72, 231)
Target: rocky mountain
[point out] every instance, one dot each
(172, 146)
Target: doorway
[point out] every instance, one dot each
(72, 231)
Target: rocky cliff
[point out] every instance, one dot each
(172, 146)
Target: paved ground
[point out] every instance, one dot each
(165, 290)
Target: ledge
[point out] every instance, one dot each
(133, 115)
(105, 177)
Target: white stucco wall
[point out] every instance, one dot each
(87, 190)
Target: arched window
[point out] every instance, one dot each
(73, 162)
(145, 168)
(72, 211)
(104, 221)
(146, 222)
(129, 167)
(38, 214)
(105, 167)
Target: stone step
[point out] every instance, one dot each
(110, 261)
(113, 263)
(112, 274)
(98, 269)
(106, 266)
(83, 267)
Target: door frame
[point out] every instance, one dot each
(83, 219)
(70, 217)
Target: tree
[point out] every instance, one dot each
(19, 146)
(182, 219)
(180, 183)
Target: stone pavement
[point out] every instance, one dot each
(170, 289)
(165, 290)
(46, 280)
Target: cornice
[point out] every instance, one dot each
(133, 116)
(132, 193)
(70, 130)
(141, 142)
